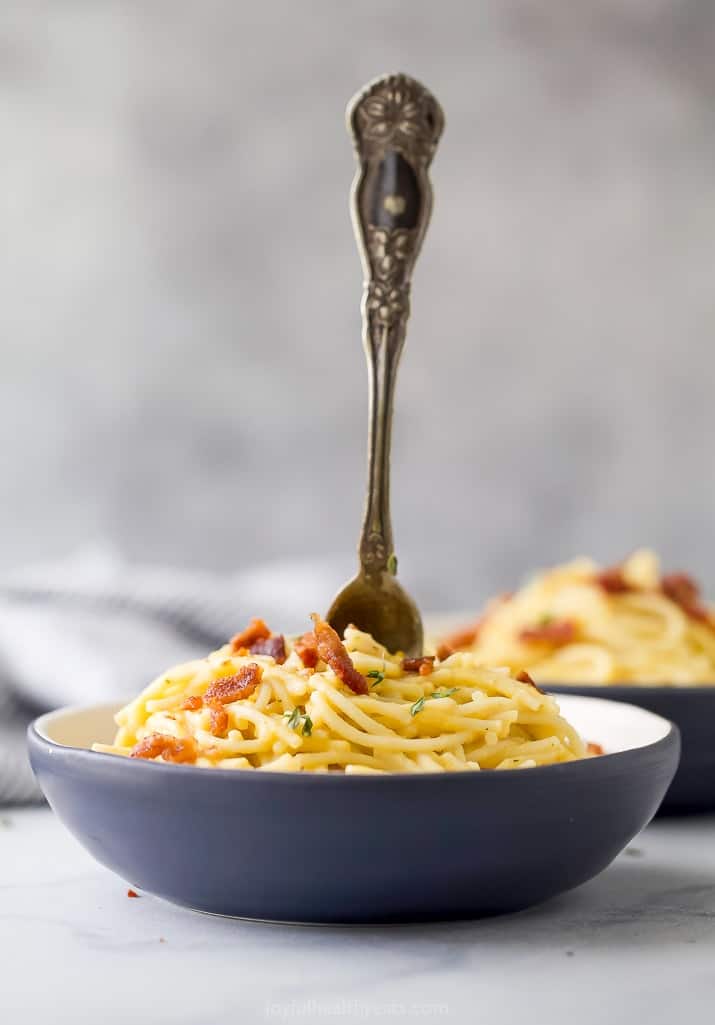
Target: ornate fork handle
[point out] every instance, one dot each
(396, 125)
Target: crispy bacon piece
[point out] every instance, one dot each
(556, 632)
(459, 639)
(593, 748)
(523, 677)
(612, 581)
(307, 650)
(171, 749)
(227, 689)
(332, 651)
(468, 635)
(219, 719)
(255, 631)
(680, 588)
(684, 591)
(701, 613)
(232, 688)
(423, 665)
(274, 646)
(192, 703)
(132, 893)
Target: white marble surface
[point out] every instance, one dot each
(636, 944)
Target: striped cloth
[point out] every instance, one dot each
(93, 629)
(17, 783)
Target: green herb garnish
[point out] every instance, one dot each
(545, 619)
(420, 702)
(392, 564)
(445, 693)
(293, 718)
(418, 706)
(296, 719)
(375, 675)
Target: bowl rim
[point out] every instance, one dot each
(586, 766)
(650, 689)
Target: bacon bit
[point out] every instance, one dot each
(219, 719)
(593, 748)
(171, 749)
(306, 648)
(680, 588)
(273, 646)
(255, 631)
(232, 688)
(192, 703)
(557, 632)
(684, 591)
(701, 613)
(332, 651)
(423, 666)
(523, 677)
(612, 581)
(462, 638)
(132, 893)
(223, 691)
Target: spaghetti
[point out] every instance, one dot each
(579, 623)
(319, 704)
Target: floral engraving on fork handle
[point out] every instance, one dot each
(387, 298)
(396, 112)
(396, 125)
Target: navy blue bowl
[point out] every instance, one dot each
(692, 709)
(335, 848)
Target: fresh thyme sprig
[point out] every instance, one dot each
(297, 719)
(445, 693)
(419, 704)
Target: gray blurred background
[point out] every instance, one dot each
(182, 376)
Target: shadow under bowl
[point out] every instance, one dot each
(692, 709)
(350, 849)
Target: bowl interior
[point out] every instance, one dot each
(79, 726)
(617, 726)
